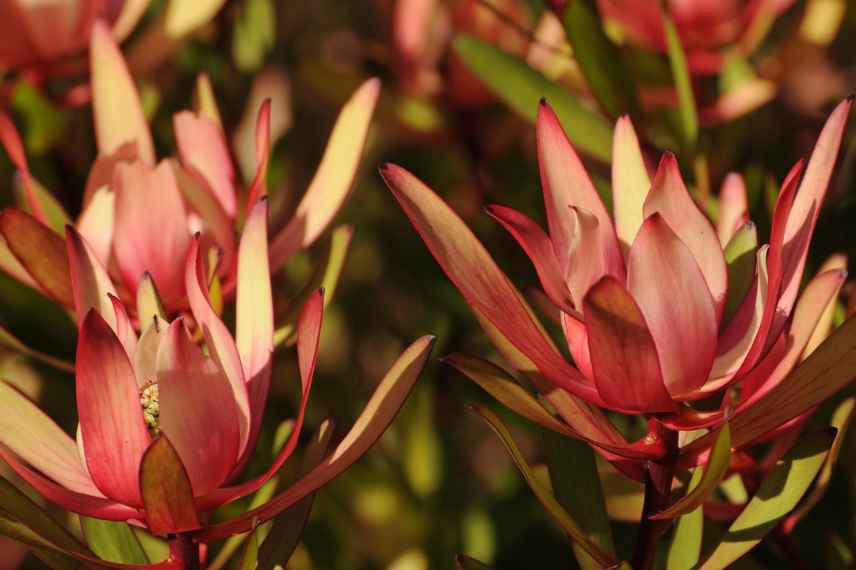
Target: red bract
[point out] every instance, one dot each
(704, 26)
(643, 295)
(165, 427)
(138, 214)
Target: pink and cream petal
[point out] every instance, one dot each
(258, 187)
(254, 310)
(96, 224)
(671, 292)
(197, 410)
(151, 234)
(146, 353)
(221, 345)
(308, 337)
(202, 147)
(485, 287)
(630, 182)
(116, 106)
(538, 247)
(333, 179)
(566, 183)
(89, 280)
(590, 257)
(733, 208)
(803, 215)
(670, 198)
(111, 418)
(623, 354)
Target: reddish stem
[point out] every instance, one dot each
(183, 552)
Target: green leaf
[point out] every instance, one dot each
(573, 473)
(829, 368)
(42, 548)
(683, 82)
(23, 510)
(685, 547)
(55, 215)
(45, 124)
(284, 535)
(113, 541)
(714, 471)
(327, 272)
(254, 35)
(422, 450)
(464, 562)
(740, 260)
(499, 384)
(841, 420)
(736, 70)
(521, 87)
(544, 496)
(251, 552)
(780, 492)
(599, 59)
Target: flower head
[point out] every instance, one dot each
(159, 404)
(655, 308)
(139, 215)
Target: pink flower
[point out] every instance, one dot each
(643, 295)
(139, 214)
(167, 428)
(705, 26)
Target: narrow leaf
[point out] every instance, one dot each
(284, 535)
(685, 548)
(573, 473)
(547, 500)
(778, 494)
(714, 471)
(599, 59)
(499, 384)
(683, 82)
(464, 562)
(521, 87)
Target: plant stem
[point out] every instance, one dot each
(658, 493)
(183, 552)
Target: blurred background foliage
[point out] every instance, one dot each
(438, 483)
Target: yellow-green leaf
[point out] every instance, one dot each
(521, 87)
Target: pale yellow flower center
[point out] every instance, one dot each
(149, 400)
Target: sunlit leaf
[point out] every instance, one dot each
(113, 541)
(521, 87)
(185, 16)
(685, 547)
(714, 471)
(780, 491)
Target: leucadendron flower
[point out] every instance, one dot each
(658, 305)
(166, 427)
(139, 214)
